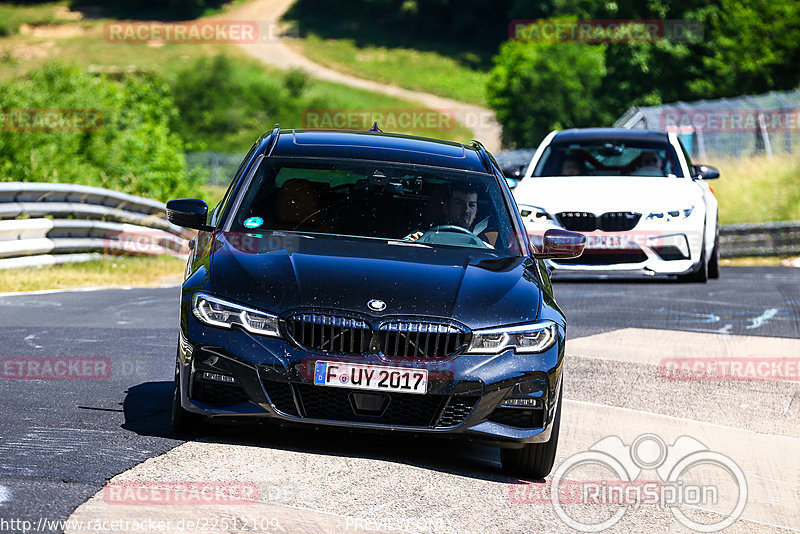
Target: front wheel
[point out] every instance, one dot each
(713, 262)
(533, 460)
(700, 274)
(183, 423)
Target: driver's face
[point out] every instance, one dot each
(462, 208)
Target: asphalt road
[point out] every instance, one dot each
(61, 440)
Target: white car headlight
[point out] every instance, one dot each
(670, 215)
(217, 312)
(526, 339)
(534, 214)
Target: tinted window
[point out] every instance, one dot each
(375, 200)
(609, 158)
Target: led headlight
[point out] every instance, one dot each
(217, 312)
(670, 215)
(534, 214)
(526, 339)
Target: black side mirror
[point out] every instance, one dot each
(514, 171)
(706, 172)
(189, 213)
(561, 244)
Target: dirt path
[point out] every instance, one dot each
(274, 51)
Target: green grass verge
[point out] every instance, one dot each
(108, 271)
(418, 70)
(758, 189)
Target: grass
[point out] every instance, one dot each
(13, 16)
(90, 50)
(758, 189)
(108, 271)
(426, 71)
(769, 261)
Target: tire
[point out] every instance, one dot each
(713, 262)
(533, 460)
(700, 274)
(183, 423)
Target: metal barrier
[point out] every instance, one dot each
(44, 223)
(764, 239)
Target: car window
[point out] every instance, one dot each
(376, 200)
(609, 158)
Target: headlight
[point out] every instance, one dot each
(534, 214)
(526, 339)
(217, 312)
(670, 215)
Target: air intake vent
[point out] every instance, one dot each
(578, 221)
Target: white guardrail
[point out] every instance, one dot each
(46, 223)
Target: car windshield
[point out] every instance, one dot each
(609, 158)
(375, 200)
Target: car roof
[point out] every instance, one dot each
(602, 134)
(406, 149)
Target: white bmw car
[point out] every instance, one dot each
(636, 196)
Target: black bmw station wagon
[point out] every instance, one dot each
(373, 281)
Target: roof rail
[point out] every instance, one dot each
(487, 159)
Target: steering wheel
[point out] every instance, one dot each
(429, 236)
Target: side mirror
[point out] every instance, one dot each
(706, 172)
(189, 213)
(515, 172)
(561, 244)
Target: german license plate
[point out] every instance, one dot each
(613, 242)
(372, 377)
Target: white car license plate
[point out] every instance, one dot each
(372, 377)
(612, 242)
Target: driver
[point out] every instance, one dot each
(460, 209)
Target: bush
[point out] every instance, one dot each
(538, 87)
(132, 149)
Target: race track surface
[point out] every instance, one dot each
(62, 440)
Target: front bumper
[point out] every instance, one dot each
(272, 379)
(651, 249)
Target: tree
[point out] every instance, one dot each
(538, 87)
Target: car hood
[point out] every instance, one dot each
(281, 273)
(600, 194)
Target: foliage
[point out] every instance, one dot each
(131, 148)
(548, 86)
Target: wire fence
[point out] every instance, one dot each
(216, 168)
(740, 127)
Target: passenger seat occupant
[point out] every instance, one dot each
(297, 202)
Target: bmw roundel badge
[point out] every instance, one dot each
(376, 305)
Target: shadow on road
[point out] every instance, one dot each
(147, 412)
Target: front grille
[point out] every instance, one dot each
(577, 221)
(218, 394)
(456, 411)
(281, 396)
(403, 409)
(329, 333)
(416, 341)
(619, 221)
(518, 417)
(393, 339)
(612, 257)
